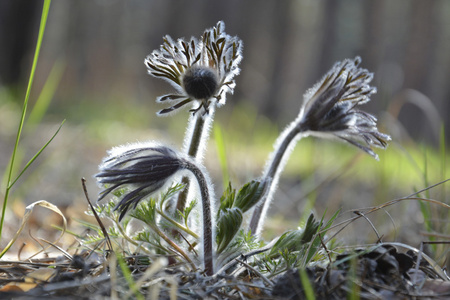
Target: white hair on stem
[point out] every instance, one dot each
(275, 164)
(197, 134)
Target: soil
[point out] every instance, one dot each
(380, 272)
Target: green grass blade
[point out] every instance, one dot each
(129, 278)
(19, 158)
(220, 145)
(425, 172)
(36, 114)
(354, 288)
(44, 16)
(36, 155)
(46, 95)
(306, 284)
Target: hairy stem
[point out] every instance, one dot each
(195, 143)
(207, 217)
(192, 151)
(283, 148)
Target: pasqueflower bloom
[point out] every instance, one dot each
(201, 70)
(330, 110)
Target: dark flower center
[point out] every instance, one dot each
(200, 82)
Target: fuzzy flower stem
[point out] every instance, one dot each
(197, 135)
(272, 173)
(207, 217)
(194, 139)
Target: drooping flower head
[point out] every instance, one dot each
(330, 107)
(142, 169)
(202, 70)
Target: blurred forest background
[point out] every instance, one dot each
(289, 45)
(97, 49)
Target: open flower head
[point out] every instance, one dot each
(202, 71)
(330, 108)
(140, 169)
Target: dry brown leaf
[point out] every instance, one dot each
(26, 216)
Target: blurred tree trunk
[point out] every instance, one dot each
(19, 24)
(281, 39)
(374, 51)
(373, 32)
(417, 65)
(329, 34)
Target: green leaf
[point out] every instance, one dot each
(146, 212)
(228, 225)
(288, 240)
(172, 191)
(310, 229)
(293, 240)
(316, 244)
(227, 200)
(189, 208)
(249, 195)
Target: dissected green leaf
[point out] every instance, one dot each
(249, 195)
(188, 209)
(228, 225)
(172, 191)
(146, 212)
(311, 228)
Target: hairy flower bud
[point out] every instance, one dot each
(200, 82)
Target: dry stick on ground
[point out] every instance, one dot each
(105, 233)
(267, 280)
(370, 210)
(359, 213)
